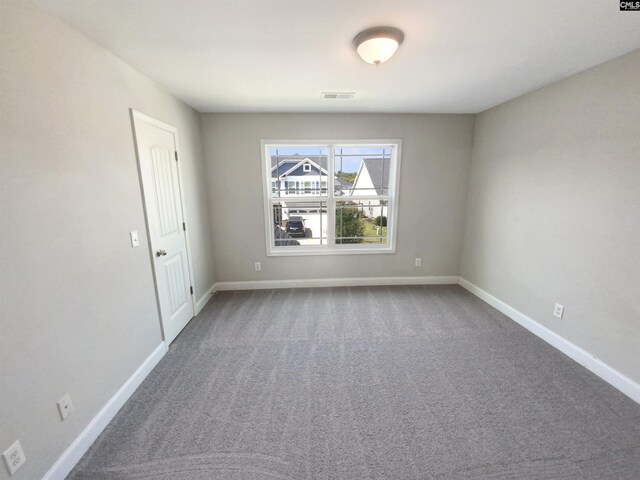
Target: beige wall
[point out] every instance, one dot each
(77, 305)
(436, 150)
(554, 209)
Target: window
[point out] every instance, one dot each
(330, 197)
(291, 187)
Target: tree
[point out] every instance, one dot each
(348, 224)
(380, 221)
(348, 177)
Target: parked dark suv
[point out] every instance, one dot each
(295, 227)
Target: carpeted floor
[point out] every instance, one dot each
(417, 382)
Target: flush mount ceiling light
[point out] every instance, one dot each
(377, 45)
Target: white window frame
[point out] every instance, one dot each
(330, 199)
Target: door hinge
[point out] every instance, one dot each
(191, 288)
(176, 154)
(184, 226)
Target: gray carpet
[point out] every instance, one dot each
(366, 383)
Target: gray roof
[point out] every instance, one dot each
(299, 172)
(287, 163)
(378, 169)
(342, 184)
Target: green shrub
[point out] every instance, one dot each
(380, 221)
(348, 224)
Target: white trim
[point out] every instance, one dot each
(266, 193)
(141, 117)
(334, 282)
(81, 444)
(306, 161)
(85, 439)
(153, 121)
(592, 363)
(330, 248)
(204, 299)
(348, 249)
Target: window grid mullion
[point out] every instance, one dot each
(331, 204)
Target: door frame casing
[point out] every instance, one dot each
(137, 116)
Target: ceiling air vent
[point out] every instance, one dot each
(338, 95)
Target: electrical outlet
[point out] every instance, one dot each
(418, 261)
(257, 266)
(14, 457)
(65, 407)
(558, 310)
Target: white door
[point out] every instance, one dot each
(158, 162)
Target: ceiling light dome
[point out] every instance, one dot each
(377, 45)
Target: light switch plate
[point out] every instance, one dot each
(135, 240)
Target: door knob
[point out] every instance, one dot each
(161, 253)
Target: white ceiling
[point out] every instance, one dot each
(279, 55)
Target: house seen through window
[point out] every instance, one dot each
(331, 198)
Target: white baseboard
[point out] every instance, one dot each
(335, 282)
(609, 374)
(81, 444)
(204, 299)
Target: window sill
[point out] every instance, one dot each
(305, 252)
